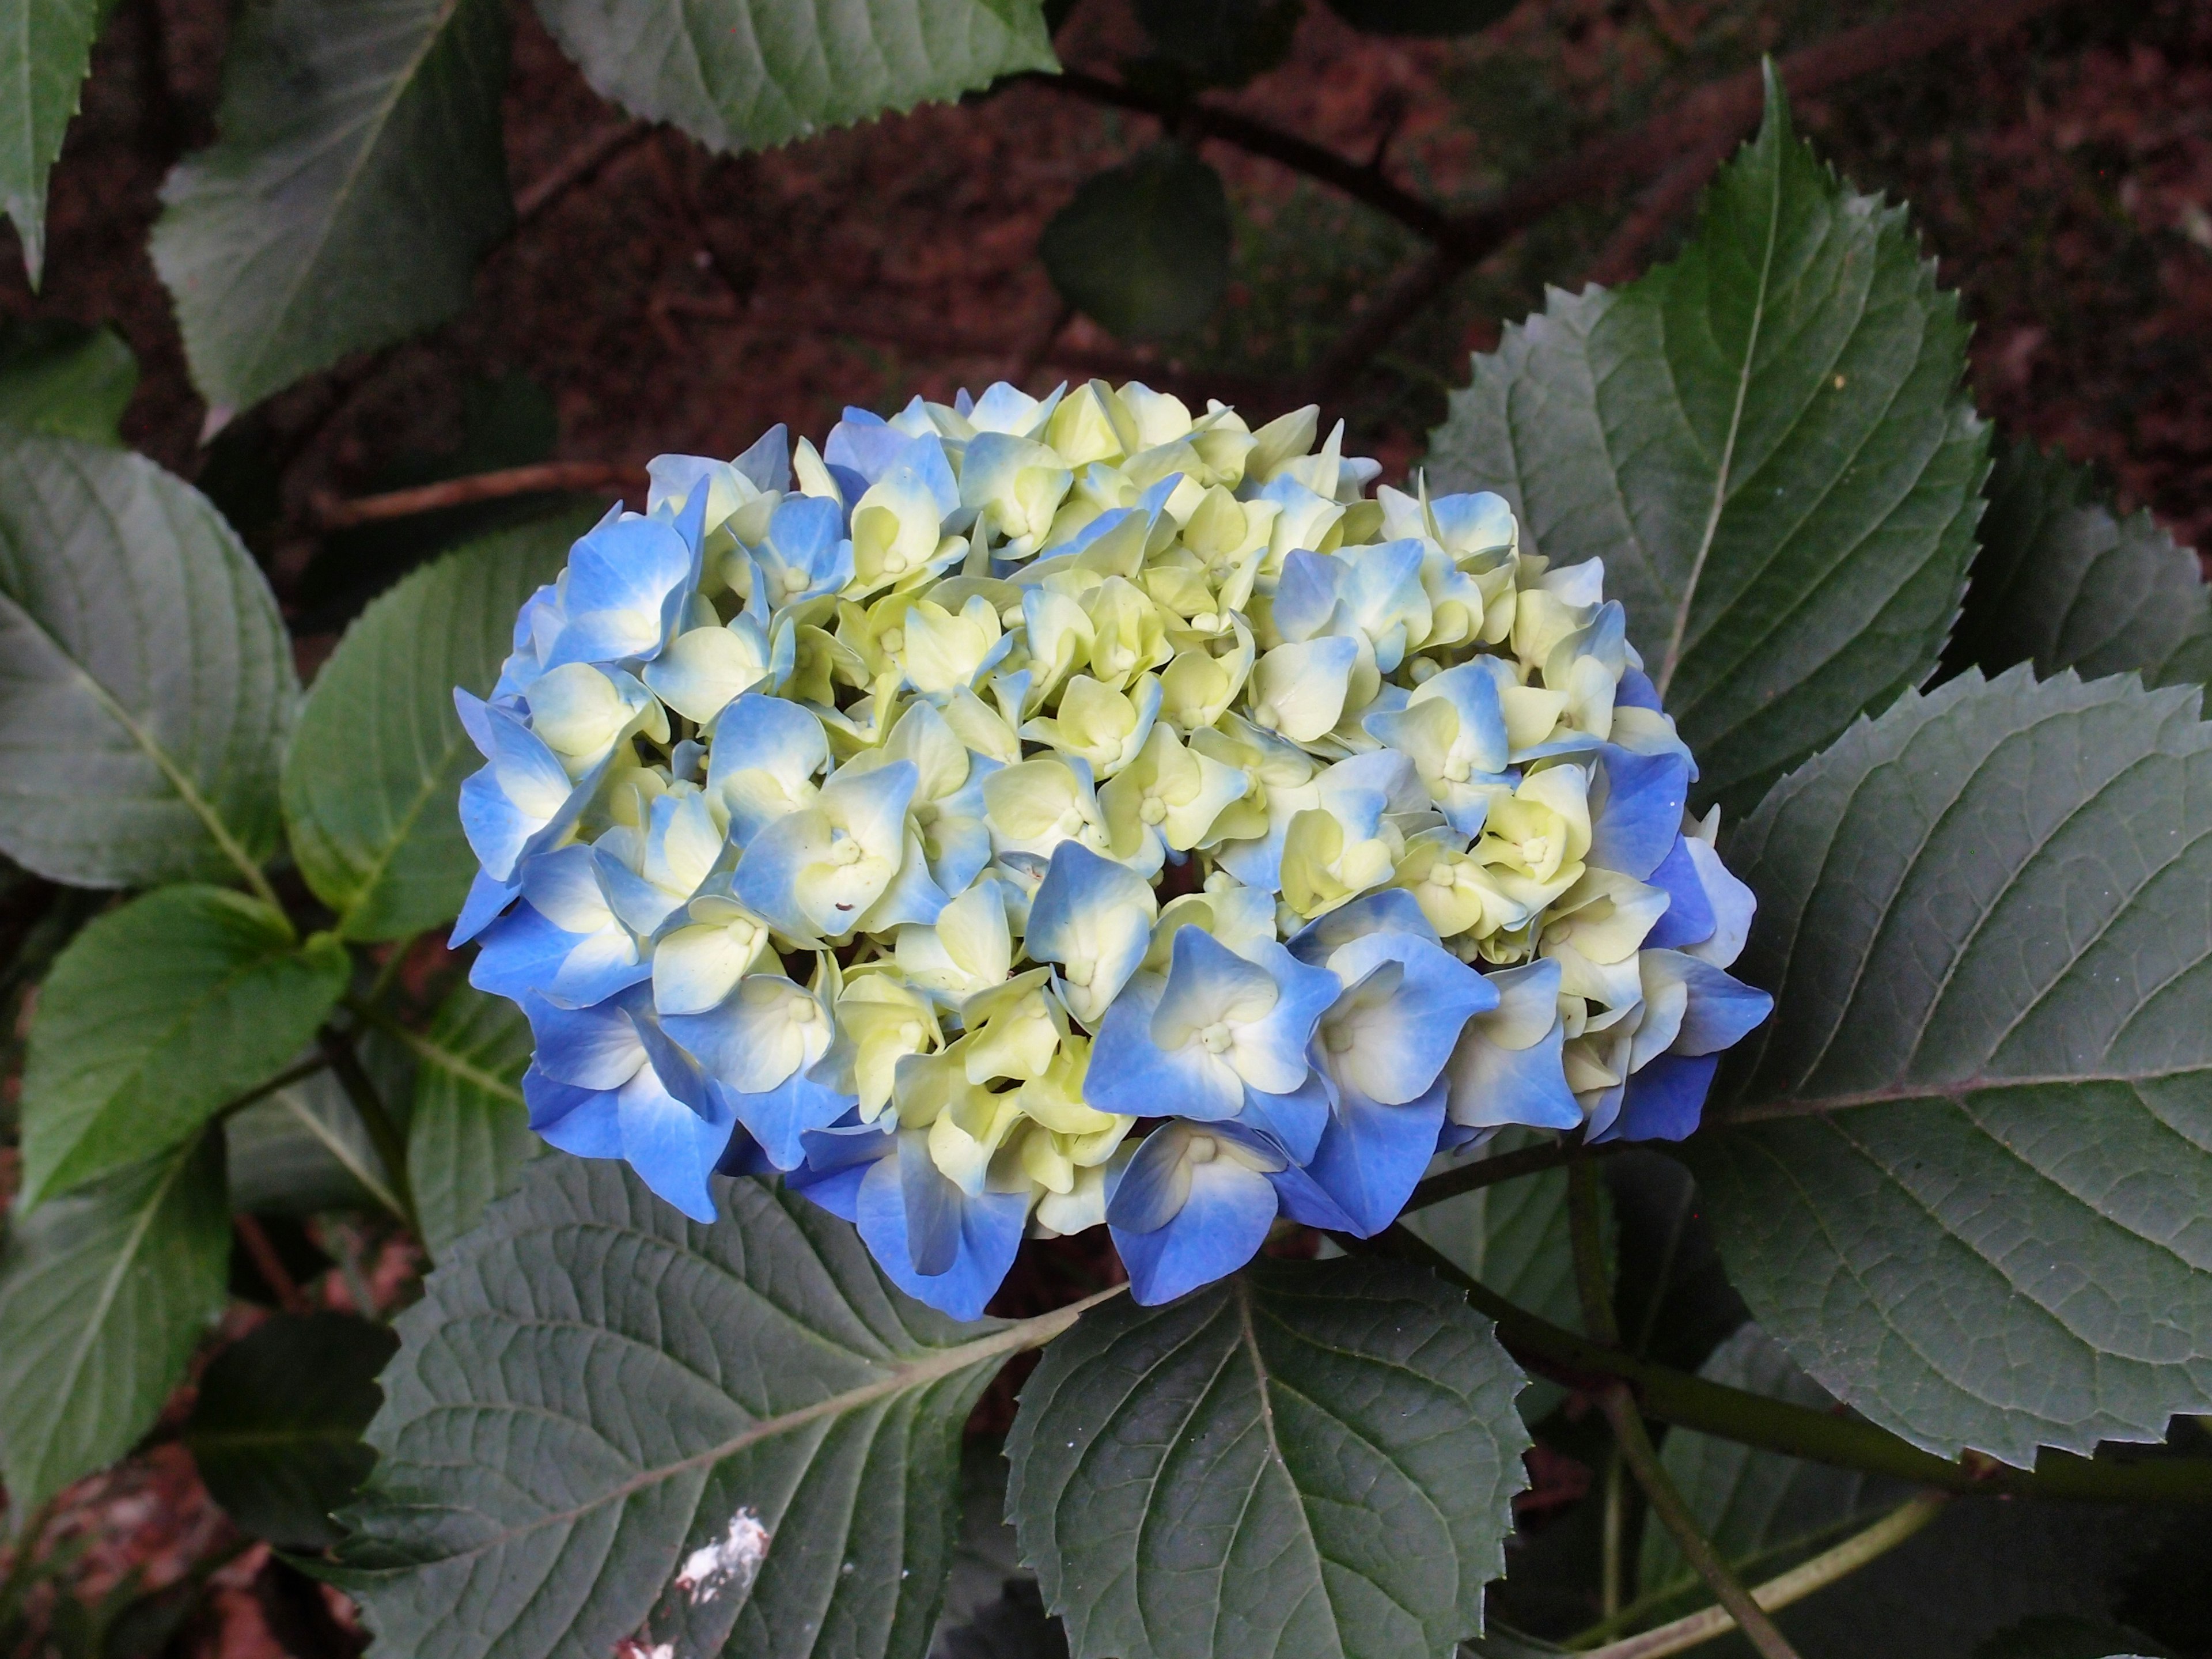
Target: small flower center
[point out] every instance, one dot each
(1201, 1149)
(1441, 874)
(795, 581)
(1153, 809)
(1265, 715)
(893, 641)
(1455, 770)
(845, 850)
(894, 563)
(1215, 1038)
(1080, 972)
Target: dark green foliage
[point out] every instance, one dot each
(138, 741)
(606, 1419)
(2062, 581)
(1303, 1459)
(277, 1428)
(65, 381)
(1143, 250)
(359, 176)
(373, 778)
(157, 1015)
(1766, 443)
(468, 1136)
(750, 74)
(104, 1294)
(46, 47)
(1965, 1161)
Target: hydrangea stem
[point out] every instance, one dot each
(1629, 1434)
(1751, 1420)
(1778, 1592)
(1632, 1442)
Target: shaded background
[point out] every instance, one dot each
(655, 297)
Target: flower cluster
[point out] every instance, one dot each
(1025, 815)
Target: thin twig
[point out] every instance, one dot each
(1618, 1406)
(1800, 1582)
(1592, 1285)
(576, 168)
(332, 513)
(268, 1263)
(1632, 1442)
(1506, 1166)
(1365, 182)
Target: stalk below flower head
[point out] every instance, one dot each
(1025, 815)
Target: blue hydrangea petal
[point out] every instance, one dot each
(1508, 1067)
(1223, 1220)
(1665, 1100)
(1131, 1075)
(1404, 1004)
(1294, 1119)
(487, 898)
(627, 584)
(1388, 910)
(983, 1232)
(595, 1048)
(779, 1119)
(1637, 824)
(582, 1121)
(1371, 1155)
(672, 1146)
(1093, 911)
(1688, 918)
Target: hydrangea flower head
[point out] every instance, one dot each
(1025, 815)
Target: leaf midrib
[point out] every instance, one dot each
(901, 1379)
(1672, 657)
(217, 990)
(112, 1284)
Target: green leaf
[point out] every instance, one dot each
(277, 1428)
(155, 1015)
(103, 1296)
(1212, 43)
(2061, 582)
(1420, 17)
(1303, 1459)
(1143, 250)
(607, 1421)
(373, 778)
(748, 74)
(304, 1149)
(1513, 1237)
(469, 1135)
(359, 176)
(66, 381)
(1761, 1510)
(1966, 1166)
(1766, 443)
(146, 682)
(46, 47)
